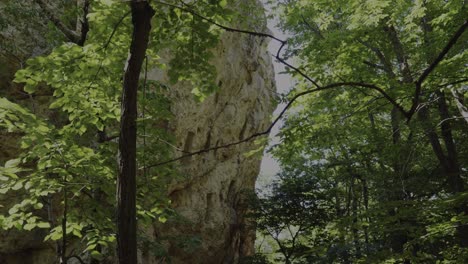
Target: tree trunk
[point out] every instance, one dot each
(354, 213)
(456, 183)
(453, 168)
(448, 161)
(126, 182)
(365, 197)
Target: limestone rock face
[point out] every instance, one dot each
(209, 195)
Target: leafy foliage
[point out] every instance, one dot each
(66, 170)
(391, 192)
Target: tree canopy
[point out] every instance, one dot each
(373, 150)
(64, 175)
(378, 128)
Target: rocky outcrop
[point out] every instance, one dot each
(209, 196)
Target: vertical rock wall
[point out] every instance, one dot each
(211, 195)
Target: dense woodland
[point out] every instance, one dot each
(374, 157)
(373, 148)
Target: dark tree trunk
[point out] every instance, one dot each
(423, 116)
(126, 182)
(448, 161)
(455, 181)
(354, 213)
(398, 238)
(365, 197)
(453, 168)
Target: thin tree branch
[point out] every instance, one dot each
(402, 58)
(448, 119)
(453, 40)
(290, 103)
(114, 30)
(229, 29)
(315, 29)
(373, 65)
(107, 138)
(83, 23)
(282, 113)
(387, 66)
(453, 83)
(70, 34)
(297, 70)
(442, 54)
(278, 53)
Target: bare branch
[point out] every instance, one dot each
(442, 54)
(453, 83)
(252, 33)
(374, 65)
(297, 70)
(386, 64)
(400, 54)
(290, 103)
(83, 23)
(314, 28)
(229, 29)
(453, 40)
(114, 30)
(70, 34)
(282, 113)
(450, 118)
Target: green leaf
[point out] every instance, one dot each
(77, 233)
(13, 210)
(96, 255)
(18, 185)
(38, 206)
(162, 219)
(28, 185)
(55, 235)
(30, 88)
(29, 226)
(43, 225)
(12, 163)
(4, 190)
(91, 247)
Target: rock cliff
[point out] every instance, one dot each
(210, 195)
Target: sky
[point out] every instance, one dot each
(269, 166)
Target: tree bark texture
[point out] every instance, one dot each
(126, 182)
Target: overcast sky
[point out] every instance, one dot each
(269, 166)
